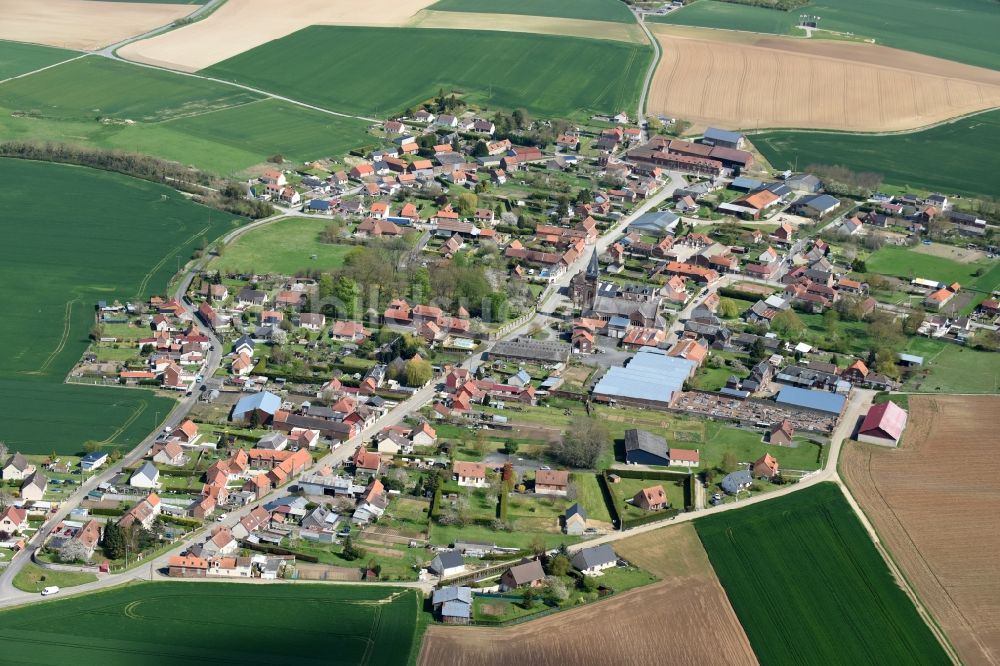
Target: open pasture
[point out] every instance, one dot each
(17, 58)
(929, 516)
(960, 30)
(684, 618)
(83, 24)
(337, 68)
(808, 584)
(184, 622)
(591, 10)
(951, 368)
(285, 247)
(61, 258)
(956, 157)
(744, 80)
(218, 128)
(908, 263)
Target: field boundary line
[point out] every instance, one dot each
(129, 421)
(42, 69)
(923, 128)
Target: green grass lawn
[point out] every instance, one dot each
(592, 10)
(284, 247)
(150, 623)
(17, 58)
(213, 126)
(906, 263)
(33, 578)
(336, 67)
(590, 497)
(956, 157)
(808, 585)
(950, 368)
(962, 30)
(447, 534)
(628, 488)
(61, 257)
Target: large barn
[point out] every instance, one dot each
(883, 425)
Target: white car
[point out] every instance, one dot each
(221, 517)
(48, 591)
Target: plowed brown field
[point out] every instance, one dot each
(684, 619)
(83, 24)
(748, 81)
(935, 503)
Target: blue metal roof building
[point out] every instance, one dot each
(650, 376)
(819, 401)
(714, 135)
(265, 401)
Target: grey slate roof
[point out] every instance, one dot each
(452, 593)
(591, 557)
(641, 440)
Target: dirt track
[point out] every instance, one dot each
(83, 24)
(752, 81)
(684, 619)
(935, 503)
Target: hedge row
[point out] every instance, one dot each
(651, 518)
(277, 550)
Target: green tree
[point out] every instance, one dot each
(729, 462)
(788, 324)
(466, 204)
(582, 444)
(418, 372)
(480, 149)
(350, 552)
(728, 308)
(510, 446)
(346, 291)
(559, 565)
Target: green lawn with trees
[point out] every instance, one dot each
(808, 585)
(61, 258)
(547, 75)
(961, 30)
(150, 623)
(285, 247)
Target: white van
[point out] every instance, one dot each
(48, 591)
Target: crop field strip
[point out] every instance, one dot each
(83, 24)
(578, 76)
(62, 258)
(960, 30)
(591, 10)
(217, 127)
(17, 58)
(929, 516)
(370, 625)
(734, 79)
(809, 586)
(957, 156)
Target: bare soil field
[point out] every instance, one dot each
(544, 25)
(959, 254)
(86, 25)
(746, 80)
(685, 619)
(240, 26)
(936, 507)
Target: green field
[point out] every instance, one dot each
(18, 58)
(73, 236)
(809, 587)
(213, 126)
(908, 264)
(956, 157)
(961, 30)
(950, 368)
(183, 622)
(338, 68)
(33, 578)
(591, 10)
(284, 247)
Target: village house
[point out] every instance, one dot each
(13, 520)
(765, 467)
(592, 561)
(469, 474)
(447, 563)
(653, 498)
(527, 574)
(17, 468)
(144, 512)
(33, 488)
(452, 605)
(551, 482)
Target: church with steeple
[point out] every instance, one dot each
(638, 303)
(583, 285)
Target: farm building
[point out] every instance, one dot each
(447, 563)
(575, 520)
(652, 378)
(261, 406)
(525, 349)
(718, 137)
(592, 561)
(453, 604)
(645, 448)
(817, 401)
(816, 205)
(883, 424)
(657, 224)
